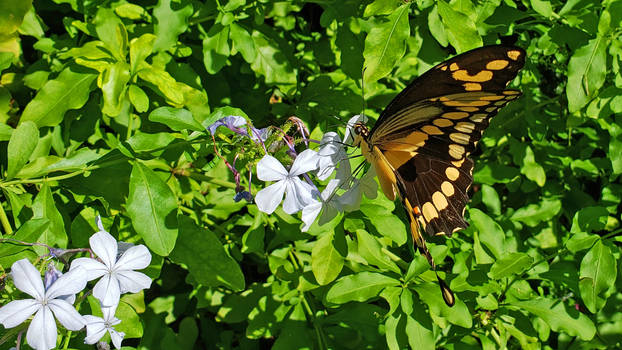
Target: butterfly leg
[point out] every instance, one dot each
(419, 241)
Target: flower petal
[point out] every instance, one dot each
(132, 281)
(69, 283)
(107, 291)
(27, 279)
(41, 333)
(305, 162)
(95, 329)
(105, 246)
(269, 198)
(135, 258)
(270, 169)
(94, 269)
(66, 314)
(298, 195)
(17, 311)
(116, 337)
(310, 213)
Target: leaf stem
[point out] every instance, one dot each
(6, 225)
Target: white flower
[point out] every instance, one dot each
(330, 205)
(367, 185)
(330, 154)
(117, 275)
(47, 301)
(96, 327)
(298, 194)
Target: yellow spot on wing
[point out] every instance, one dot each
(457, 103)
(481, 76)
(491, 109)
(501, 103)
(478, 118)
(447, 188)
(459, 138)
(429, 212)
(455, 115)
(440, 202)
(454, 67)
(497, 64)
(465, 127)
(456, 151)
(458, 163)
(431, 130)
(472, 86)
(514, 54)
(443, 123)
(511, 92)
(385, 174)
(452, 173)
(468, 109)
(492, 97)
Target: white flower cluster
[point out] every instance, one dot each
(53, 297)
(295, 184)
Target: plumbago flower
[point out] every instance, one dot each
(116, 270)
(298, 193)
(49, 301)
(331, 154)
(96, 327)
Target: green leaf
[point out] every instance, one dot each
(12, 14)
(140, 49)
(532, 170)
(114, 86)
(22, 143)
(589, 219)
(43, 207)
(243, 42)
(559, 317)
(461, 31)
(170, 23)
(490, 233)
(542, 7)
(271, 62)
(382, 219)
(586, 73)
(419, 329)
(70, 90)
(385, 44)
(29, 232)
(139, 98)
(326, 261)
(511, 264)
(491, 199)
(380, 7)
(534, 214)
(216, 48)
(153, 209)
(371, 250)
(597, 275)
(112, 32)
(205, 256)
(175, 118)
(359, 287)
(431, 295)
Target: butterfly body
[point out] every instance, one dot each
(419, 146)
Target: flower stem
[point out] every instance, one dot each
(6, 225)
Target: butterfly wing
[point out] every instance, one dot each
(421, 142)
(427, 132)
(489, 68)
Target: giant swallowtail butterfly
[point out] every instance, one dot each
(419, 146)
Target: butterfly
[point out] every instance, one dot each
(420, 144)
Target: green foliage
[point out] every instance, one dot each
(104, 108)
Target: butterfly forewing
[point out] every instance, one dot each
(489, 69)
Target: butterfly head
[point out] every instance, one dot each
(361, 133)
